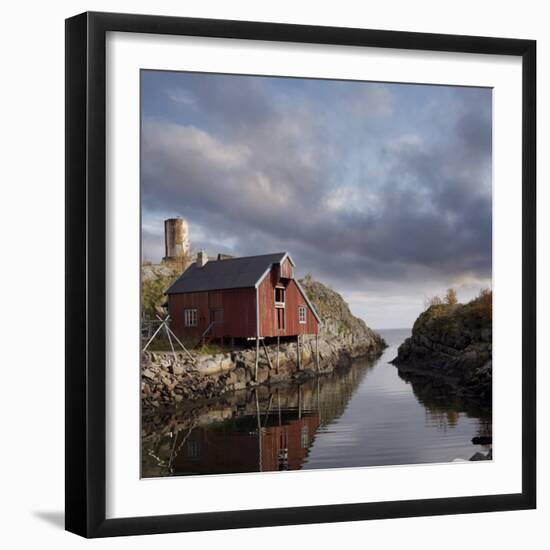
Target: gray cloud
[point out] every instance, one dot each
(261, 176)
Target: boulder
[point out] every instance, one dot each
(149, 374)
(178, 370)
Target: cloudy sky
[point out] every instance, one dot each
(382, 191)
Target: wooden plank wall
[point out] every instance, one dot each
(294, 298)
(286, 269)
(239, 312)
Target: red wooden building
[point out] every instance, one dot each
(247, 297)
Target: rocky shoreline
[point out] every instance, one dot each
(452, 343)
(168, 379)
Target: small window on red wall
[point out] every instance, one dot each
(302, 315)
(190, 317)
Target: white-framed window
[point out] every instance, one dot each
(190, 317)
(302, 315)
(279, 296)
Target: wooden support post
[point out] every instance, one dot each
(182, 346)
(171, 345)
(152, 337)
(317, 350)
(267, 354)
(298, 352)
(257, 359)
(177, 339)
(278, 342)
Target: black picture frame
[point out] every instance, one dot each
(86, 279)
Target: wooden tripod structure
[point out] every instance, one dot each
(164, 325)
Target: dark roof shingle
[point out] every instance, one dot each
(222, 274)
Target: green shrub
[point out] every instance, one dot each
(154, 284)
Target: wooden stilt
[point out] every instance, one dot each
(278, 342)
(152, 337)
(298, 352)
(317, 350)
(257, 359)
(267, 354)
(171, 345)
(182, 346)
(176, 338)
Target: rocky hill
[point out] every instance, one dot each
(337, 320)
(453, 342)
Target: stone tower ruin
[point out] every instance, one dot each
(176, 239)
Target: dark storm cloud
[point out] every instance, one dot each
(260, 165)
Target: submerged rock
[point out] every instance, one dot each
(481, 456)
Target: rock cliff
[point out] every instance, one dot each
(338, 323)
(453, 342)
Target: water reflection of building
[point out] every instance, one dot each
(281, 443)
(223, 437)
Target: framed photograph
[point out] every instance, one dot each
(300, 274)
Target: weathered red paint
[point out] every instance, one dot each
(286, 269)
(237, 304)
(234, 310)
(293, 299)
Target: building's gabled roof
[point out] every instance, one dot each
(223, 274)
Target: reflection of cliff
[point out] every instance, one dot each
(442, 403)
(266, 429)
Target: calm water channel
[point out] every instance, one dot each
(367, 415)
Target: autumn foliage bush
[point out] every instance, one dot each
(481, 306)
(484, 304)
(450, 297)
